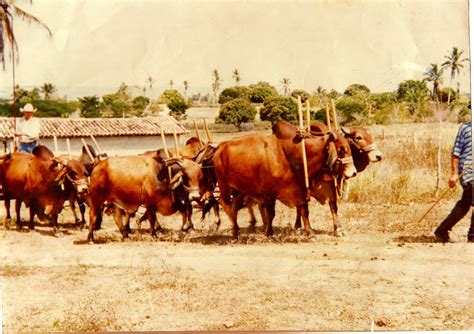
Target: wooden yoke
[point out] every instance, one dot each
(328, 118)
(303, 148)
(308, 115)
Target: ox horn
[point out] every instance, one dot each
(208, 134)
(87, 149)
(303, 147)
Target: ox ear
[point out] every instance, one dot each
(346, 131)
(332, 154)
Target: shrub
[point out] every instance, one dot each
(236, 112)
(301, 93)
(175, 102)
(231, 93)
(356, 89)
(90, 106)
(445, 92)
(261, 91)
(279, 108)
(353, 108)
(409, 89)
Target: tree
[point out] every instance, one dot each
(236, 76)
(175, 102)
(407, 88)
(216, 83)
(285, 82)
(149, 81)
(454, 64)
(171, 83)
(304, 95)
(279, 108)
(48, 89)
(236, 112)
(8, 10)
(261, 91)
(186, 87)
(320, 95)
(356, 89)
(90, 106)
(236, 92)
(435, 74)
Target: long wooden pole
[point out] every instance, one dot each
(328, 118)
(336, 126)
(176, 146)
(167, 154)
(96, 144)
(87, 149)
(55, 145)
(208, 134)
(303, 147)
(308, 115)
(68, 143)
(443, 195)
(198, 135)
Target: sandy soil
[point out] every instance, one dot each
(386, 274)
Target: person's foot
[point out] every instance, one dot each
(442, 237)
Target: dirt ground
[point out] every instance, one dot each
(387, 273)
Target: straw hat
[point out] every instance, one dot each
(28, 108)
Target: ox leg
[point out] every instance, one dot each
(141, 220)
(253, 221)
(54, 221)
(268, 214)
(298, 219)
(304, 213)
(19, 223)
(217, 216)
(229, 208)
(187, 218)
(8, 217)
(118, 215)
(31, 223)
(154, 225)
(95, 219)
(338, 230)
(82, 209)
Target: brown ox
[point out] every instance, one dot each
(132, 181)
(323, 186)
(37, 180)
(267, 168)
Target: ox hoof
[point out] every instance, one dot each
(252, 229)
(339, 233)
(58, 234)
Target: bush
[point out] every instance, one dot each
(409, 89)
(445, 92)
(302, 94)
(175, 102)
(352, 108)
(356, 89)
(90, 106)
(236, 112)
(279, 108)
(261, 91)
(232, 93)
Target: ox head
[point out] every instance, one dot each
(362, 143)
(339, 158)
(188, 174)
(75, 173)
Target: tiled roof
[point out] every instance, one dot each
(99, 127)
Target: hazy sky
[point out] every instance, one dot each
(101, 43)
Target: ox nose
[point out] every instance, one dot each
(375, 156)
(194, 195)
(350, 171)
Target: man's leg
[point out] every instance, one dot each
(457, 213)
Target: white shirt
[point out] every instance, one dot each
(29, 128)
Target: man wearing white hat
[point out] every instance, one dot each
(28, 129)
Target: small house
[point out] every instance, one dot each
(115, 136)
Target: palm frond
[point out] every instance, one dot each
(30, 18)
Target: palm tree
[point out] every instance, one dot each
(8, 10)
(285, 82)
(320, 93)
(435, 75)
(186, 87)
(454, 64)
(216, 83)
(149, 81)
(236, 76)
(171, 83)
(48, 89)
